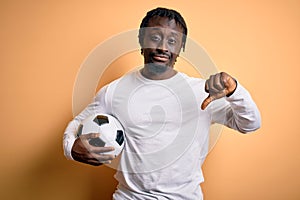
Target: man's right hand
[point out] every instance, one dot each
(83, 152)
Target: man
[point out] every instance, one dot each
(166, 116)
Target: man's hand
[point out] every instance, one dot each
(83, 152)
(218, 86)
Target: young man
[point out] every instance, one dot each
(166, 116)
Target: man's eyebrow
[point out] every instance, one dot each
(174, 33)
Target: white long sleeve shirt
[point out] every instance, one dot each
(167, 133)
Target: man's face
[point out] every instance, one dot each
(162, 43)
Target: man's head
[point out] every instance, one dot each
(162, 34)
(163, 12)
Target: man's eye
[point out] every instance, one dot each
(155, 38)
(172, 41)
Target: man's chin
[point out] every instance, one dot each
(156, 68)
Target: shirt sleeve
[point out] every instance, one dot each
(238, 111)
(97, 106)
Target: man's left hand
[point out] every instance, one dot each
(218, 86)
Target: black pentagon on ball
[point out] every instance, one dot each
(120, 137)
(101, 119)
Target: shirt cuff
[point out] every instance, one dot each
(68, 144)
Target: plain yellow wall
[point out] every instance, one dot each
(43, 44)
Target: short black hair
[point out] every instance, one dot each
(163, 12)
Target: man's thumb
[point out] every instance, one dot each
(206, 101)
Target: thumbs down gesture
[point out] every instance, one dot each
(218, 86)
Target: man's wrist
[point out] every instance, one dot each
(231, 93)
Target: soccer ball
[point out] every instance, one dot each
(110, 129)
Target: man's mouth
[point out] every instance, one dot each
(161, 57)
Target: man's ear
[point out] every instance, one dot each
(183, 46)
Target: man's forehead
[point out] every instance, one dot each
(157, 22)
(164, 30)
(159, 19)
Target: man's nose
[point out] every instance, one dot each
(163, 46)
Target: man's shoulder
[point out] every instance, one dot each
(192, 79)
(122, 82)
(114, 82)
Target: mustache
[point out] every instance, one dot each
(162, 54)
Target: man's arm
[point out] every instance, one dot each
(236, 110)
(78, 148)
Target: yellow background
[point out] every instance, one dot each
(43, 44)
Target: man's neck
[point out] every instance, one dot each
(170, 72)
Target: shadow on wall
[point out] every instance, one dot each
(51, 176)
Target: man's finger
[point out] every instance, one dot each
(206, 88)
(101, 149)
(218, 84)
(86, 138)
(102, 157)
(90, 135)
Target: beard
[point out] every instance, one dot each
(156, 68)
